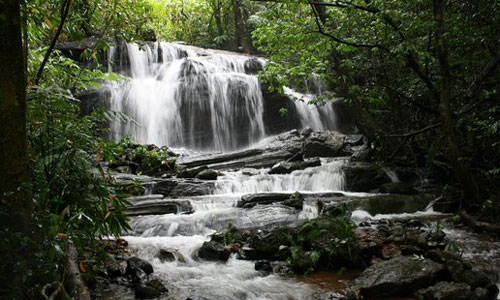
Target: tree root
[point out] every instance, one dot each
(478, 225)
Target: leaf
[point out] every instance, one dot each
(107, 215)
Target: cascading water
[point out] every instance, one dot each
(186, 97)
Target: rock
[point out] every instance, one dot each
(480, 294)
(208, 175)
(455, 269)
(134, 264)
(166, 255)
(214, 251)
(399, 276)
(196, 298)
(327, 144)
(150, 290)
(397, 188)
(306, 131)
(263, 265)
(363, 177)
(445, 291)
(253, 66)
(389, 204)
(296, 201)
(390, 251)
(156, 205)
(289, 167)
(190, 172)
(249, 171)
(492, 291)
(475, 278)
(267, 246)
(250, 200)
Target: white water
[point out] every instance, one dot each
(186, 97)
(203, 100)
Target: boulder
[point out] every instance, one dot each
(267, 246)
(364, 177)
(150, 290)
(263, 265)
(250, 200)
(481, 294)
(249, 171)
(286, 167)
(190, 172)
(208, 174)
(135, 265)
(399, 276)
(397, 188)
(445, 291)
(214, 251)
(253, 66)
(296, 201)
(326, 144)
(166, 255)
(475, 278)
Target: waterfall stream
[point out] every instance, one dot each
(187, 97)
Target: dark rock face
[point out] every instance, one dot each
(249, 201)
(263, 265)
(267, 246)
(208, 174)
(475, 278)
(166, 255)
(397, 188)
(150, 290)
(361, 177)
(326, 144)
(296, 201)
(135, 265)
(156, 205)
(190, 172)
(253, 66)
(398, 276)
(289, 167)
(214, 251)
(445, 291)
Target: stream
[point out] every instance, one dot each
(202, 103)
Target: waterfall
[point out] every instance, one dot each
(187, 97)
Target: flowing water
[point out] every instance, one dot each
(183, 96)
(211, 101)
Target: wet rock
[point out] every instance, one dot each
(250, 200)
(306, 131)
(289, 167)
(135, 265)
(296, 201)
(492, 291)
(326, 144)
(363, 177)
(397, 188)
(455, 269)
(192, 187)
(150, 290)
(263, 265)
(253, 66)
(445, 291)
(480, 294)
(208, 175)
(197, 298)
(166, 255)
(475, 278)
(249, 171)
(267, 245)
(190, 172)
(390, 251)
(156, 205)
(214, 251)
(397, 277)
(389, 204)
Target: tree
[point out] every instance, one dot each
(14, 175)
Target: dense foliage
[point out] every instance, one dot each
(419, 76)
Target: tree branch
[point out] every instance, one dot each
(64, 15)
(417, 132)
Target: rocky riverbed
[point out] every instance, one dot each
(302, 215)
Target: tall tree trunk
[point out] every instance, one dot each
(242, 36)
(14, 173)
(469, 186)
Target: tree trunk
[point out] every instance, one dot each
(241, 33)
(464, 177)
(14, 173)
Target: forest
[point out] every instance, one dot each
(250, 149)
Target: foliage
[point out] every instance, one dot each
(382, 58)
(145, 159)
(324, 242)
